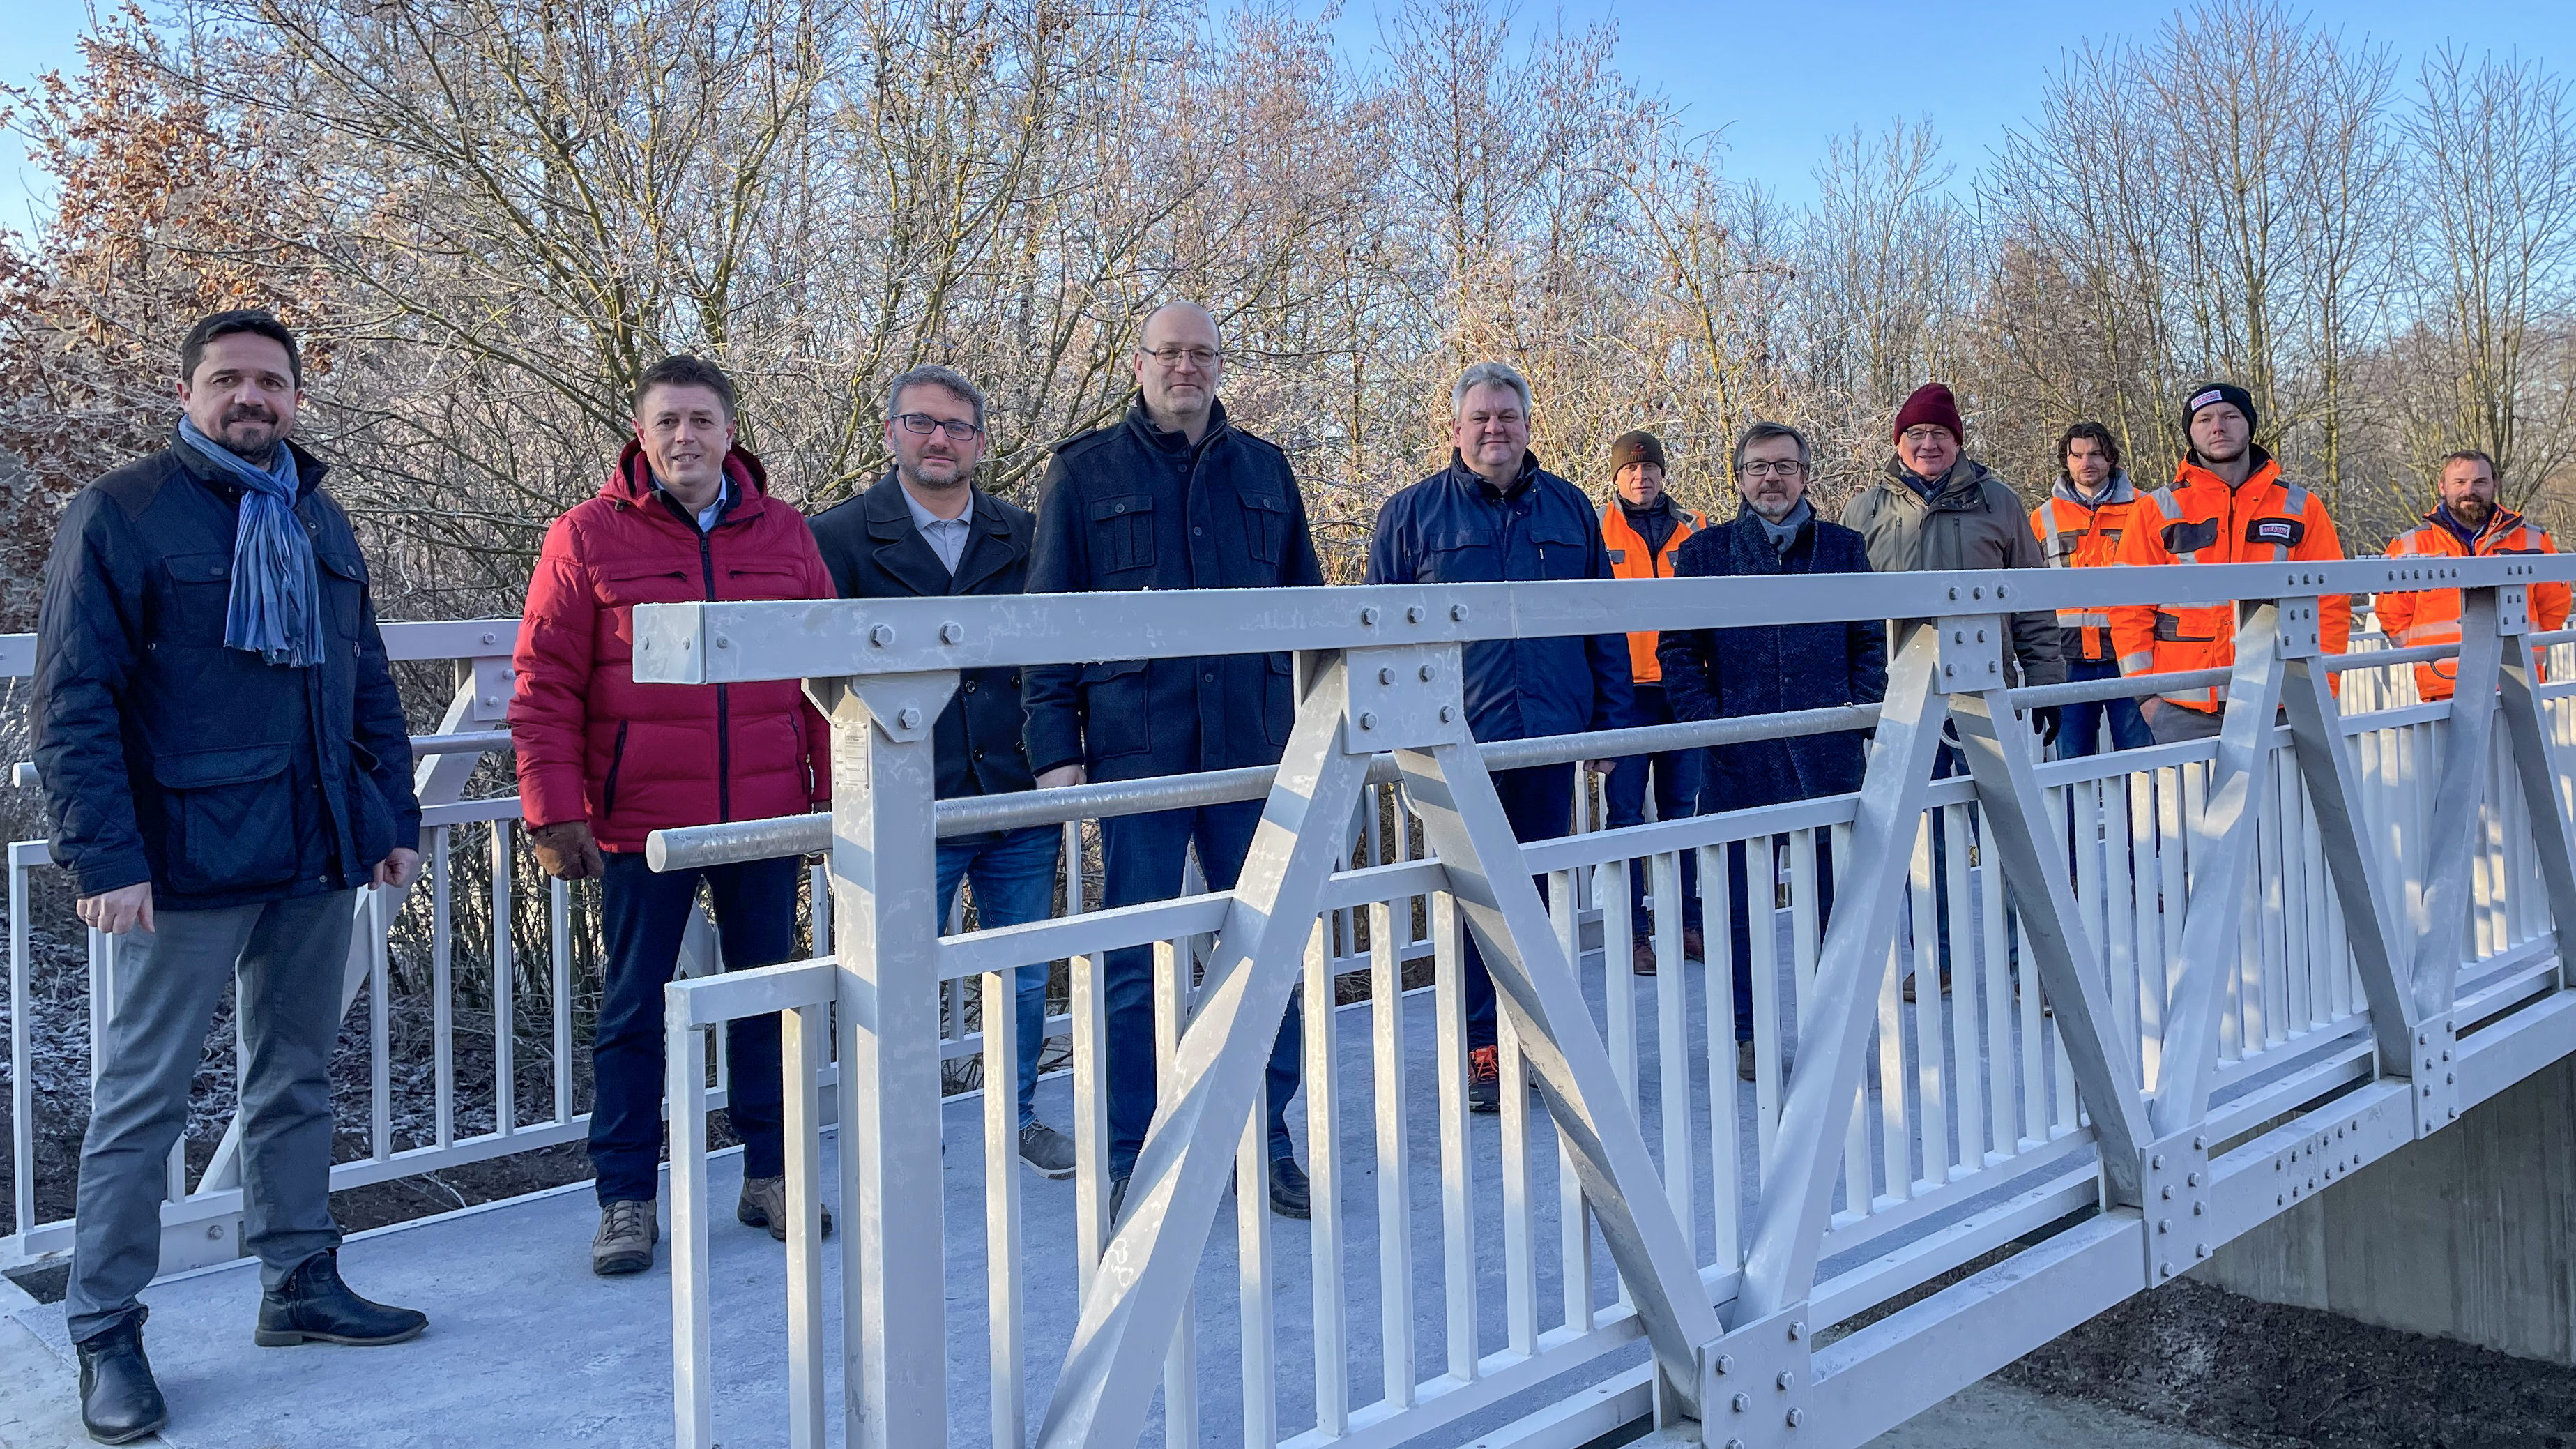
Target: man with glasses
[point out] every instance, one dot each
(1171, 496)
(926, 530)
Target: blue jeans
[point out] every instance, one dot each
(2079, 730)
(1676, 778)
(1539, 802)
(1143, 856)
(645, 913)
(1014, 875)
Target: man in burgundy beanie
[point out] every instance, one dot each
(1934, 508)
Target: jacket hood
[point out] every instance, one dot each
(631, 481)
(2118, 490)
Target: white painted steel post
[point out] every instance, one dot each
(886, 947)
(693, 1385)
(805, 1033)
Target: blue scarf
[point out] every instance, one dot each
(276, 605)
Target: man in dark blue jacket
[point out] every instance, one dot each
(1769, 669)
(226, 763)
(925, 529)
(1169, 497)
(1493, 516)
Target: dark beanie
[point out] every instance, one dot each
(2204, 394)
(1931, 403)
(1639, 446)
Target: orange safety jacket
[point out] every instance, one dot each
(2199, 519)
(2432, 616)
(2074, 534)
(1631, 559)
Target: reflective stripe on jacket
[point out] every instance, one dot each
(2075, 534)
(2199, 519)
(1630, 558)
(2432, 616)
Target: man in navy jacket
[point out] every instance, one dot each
(1494, 515)
(1770, 669)
(1171, 496)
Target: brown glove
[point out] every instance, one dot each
(567, 850)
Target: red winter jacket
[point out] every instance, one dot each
(633, 758)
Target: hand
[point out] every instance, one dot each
(118, 911)
(567, 850)
(1601, 767)
(398, 869)
(2044, 720)
(1062, 776)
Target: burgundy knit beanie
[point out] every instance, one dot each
(1931, 403)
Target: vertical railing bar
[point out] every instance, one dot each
(442, 987)
(1252, 1239)
(1856, 1189)
(1171, 1018)
(559, 957)
(1324, 1178)
(1394, 1162)
(1724, 1098)
(1090, 1122)
(1963, 1089)
(22, 1100)
(1003, 1276)
(1925, 1116)
(1520, 1210)
(2003, 989)
(1893, 1158)
(1762, 953)
(1672, 1044)
(801, 1030)
(380, 1078)
(692, 1336)
(1457, 1206)
(1573, 1226)
(505, 1091)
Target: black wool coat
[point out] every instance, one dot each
(1771, 668)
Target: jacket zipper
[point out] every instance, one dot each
(616, 759)
(724, 738)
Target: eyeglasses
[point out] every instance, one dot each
(924, 424)
(1201, 358)
(1923, 433)
(1790, 469)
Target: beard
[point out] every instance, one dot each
(912, 475)
(250, 433)
(2473, 512)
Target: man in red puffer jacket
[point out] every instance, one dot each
(605, 761)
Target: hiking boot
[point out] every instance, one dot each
(314, 1306)
(1485, 1079)
(1049, 1151)
(764, 1205)
(1744, 1060)
(119, 1401)
(627, 1232)
(1694, 945)
(1289, 1194)
(1644, 956)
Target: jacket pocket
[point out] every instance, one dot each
(231, 820)
(371, 815)
(759, 583)
(1113, 710)
(1563, 550)
(1278, 699)
(616, 759)
(1265, 526)
(1122, 533)
(195, 591)
(344, 590)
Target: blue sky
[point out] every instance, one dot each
(1778, 78)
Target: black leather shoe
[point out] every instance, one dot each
(314, 1306)
(1288, 1196)
(119, 1401)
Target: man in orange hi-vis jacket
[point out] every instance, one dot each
(2079, 525)
(2467, 523)
(2228, 503)
(1643, 527)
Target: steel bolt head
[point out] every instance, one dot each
(722, 642)
(1368, 616)
(1786, 1379)
(1413, 614)
(1386, 676)
(2200, 1144)
(1797, 1329)
(1368, 719)
(1797, 1417)
(1447, 714)
(2202, 1249)
(908, 718)
(2165, 1191)
(2165, 1269)
(2191, 1179)
(2200, 1209)
(1426, 673)
(1743, 1402)
(951, 633)
(1725, 1363)
(881, 635)
(2157, 1162)
(1458, 613)
(2164, 1225)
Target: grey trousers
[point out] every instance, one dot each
(290, 955)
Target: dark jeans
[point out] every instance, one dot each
(1675, 775)
(646, 912)
(1143, 856)
(1765, 885)
(1014, 876)
(1540, 804)
(2079, 731)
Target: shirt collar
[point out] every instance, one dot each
(924, 519)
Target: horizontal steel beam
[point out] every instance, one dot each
(715, 643)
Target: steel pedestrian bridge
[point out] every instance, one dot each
(2189, 986)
